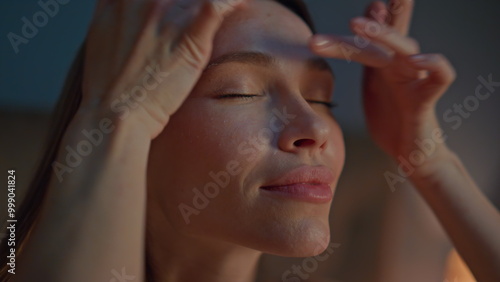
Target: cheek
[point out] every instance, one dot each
(200, 141)
(212, 134)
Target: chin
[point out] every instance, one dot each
(309, 237)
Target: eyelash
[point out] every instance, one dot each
(329, 105)
(243, 96)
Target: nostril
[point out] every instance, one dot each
(303, 142)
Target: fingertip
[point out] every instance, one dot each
(419, 58)
(359, 21)
(437, 65)
(320, 42)
(421, 61)
(358, 24)
(418, 62)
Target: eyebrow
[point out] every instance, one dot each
(266, 60)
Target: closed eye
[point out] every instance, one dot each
(329, 105)
(241, 96)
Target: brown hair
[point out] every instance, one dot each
(65, 110)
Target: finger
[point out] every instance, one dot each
(180, 13)
(225, 7)
(377, 11)
(196, 41)
(441, 73)
(202, 15)
(400, 15)
(349, 48)
(151, 12)
(183, 60)
(385, 36)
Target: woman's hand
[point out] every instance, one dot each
(401, 87)
(144, 57)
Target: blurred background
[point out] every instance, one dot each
(379, 233)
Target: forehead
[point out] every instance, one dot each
(263, 26)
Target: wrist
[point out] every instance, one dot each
(109, 123)
(146, 117)
(423, 159)
(101, 135)
(440, 165)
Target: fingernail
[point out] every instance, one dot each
(321, 41)
(418, 58)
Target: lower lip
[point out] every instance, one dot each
(312, 193)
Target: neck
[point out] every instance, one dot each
(175, 257)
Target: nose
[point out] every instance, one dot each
(307, 132)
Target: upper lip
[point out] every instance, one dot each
(305, 174)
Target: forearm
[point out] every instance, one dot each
(471, 221)
(93, 218)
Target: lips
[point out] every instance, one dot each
(306, 183)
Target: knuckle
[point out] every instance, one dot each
(192, 52)
(212, 9)
(376, 29)
(414, 44)
(448, 71)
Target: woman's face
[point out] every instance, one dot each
(222, 168)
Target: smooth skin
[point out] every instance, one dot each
(108, 189)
